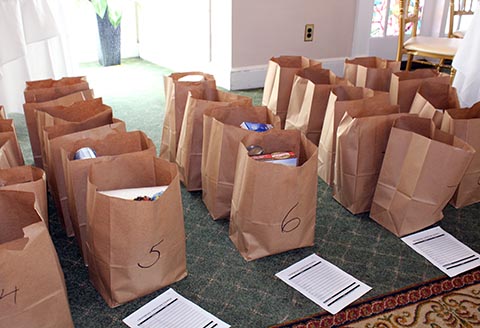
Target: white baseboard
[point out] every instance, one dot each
(252, 77)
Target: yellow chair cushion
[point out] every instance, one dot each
(443, 47)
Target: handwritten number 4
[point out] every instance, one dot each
(154, 251)
(13, 292)
(288, 225)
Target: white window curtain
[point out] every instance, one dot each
(33, 46)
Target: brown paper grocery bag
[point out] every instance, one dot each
(60, 136)
(92, 113)
(340, 99)
(404, 85)
(431, 99)
(45, 90)
(465, 124)
(421, 170)
(8, 156)
(64, 100)
(189, 153)
(177, 87)
(362, 137)
(221, 135)
(134, 247)
(308, 100)
(273, 205)
(33, 293)
(278, 84)
(7, 128)
(106, 146)
(370, 72)
(28, 179)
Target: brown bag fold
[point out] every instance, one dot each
(177, 87)
(189, 154)
(431, 99)
(340, 99)
(134, 247)
(65, 100)
(60, 136)
(106, 146)
(362, 137)
(91, 113)
(370, 72)
(262, 225)
(28, 179)
(221, 136)
(404, 85)
(7, 129)
(33, 287)
(308, 100)
(465, 124)
(278, 84)
(421, 170)
(8, 158)
(45, 90)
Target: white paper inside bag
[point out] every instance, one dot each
(132, 193)
(191, 78)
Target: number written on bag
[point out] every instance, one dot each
(4, 294)
(155, 256)
(290, 224)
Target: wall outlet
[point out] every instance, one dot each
(308, 32)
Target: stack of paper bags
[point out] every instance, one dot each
(278, 84)
(47, 93)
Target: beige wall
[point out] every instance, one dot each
(266, 28)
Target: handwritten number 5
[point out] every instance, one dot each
(152, 251)
(288, 225)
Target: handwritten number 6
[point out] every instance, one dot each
(152, 251)
(13, 292)
(288, 225)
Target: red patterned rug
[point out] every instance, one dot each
(441, 303)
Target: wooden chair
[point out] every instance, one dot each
(458, 9)
(438, 48)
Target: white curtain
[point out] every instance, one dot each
(33, 46)
(467, 64)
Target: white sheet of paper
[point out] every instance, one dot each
(132, 193)
(171, 310)
(323, 283)
(443, 250)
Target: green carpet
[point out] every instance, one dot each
(243, 294)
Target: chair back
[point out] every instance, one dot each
(407, 15)
(458, 9)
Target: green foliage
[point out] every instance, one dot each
(114, 10)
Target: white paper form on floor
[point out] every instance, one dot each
(170, 310)
(323, 283)
(443, 250)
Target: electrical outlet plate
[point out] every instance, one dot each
(308, 36)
